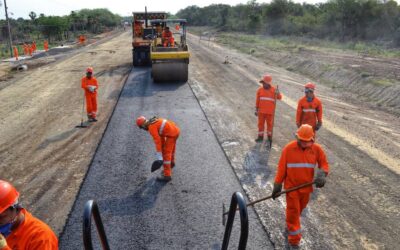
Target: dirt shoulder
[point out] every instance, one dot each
(358, 207)
(42, 152)
(362, 77)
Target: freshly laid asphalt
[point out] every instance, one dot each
(137, 211)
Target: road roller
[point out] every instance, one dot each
(169, 52)
(142, 33)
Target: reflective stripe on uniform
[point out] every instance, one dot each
(261, 133)
(295, 232)
(309, 110)
(166, 162)
(300, 165)
(162, 126)
(267, 99)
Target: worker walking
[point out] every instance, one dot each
(90, 86)
(34, 46)
(296, 166)
(265, 106)
(18, 228)
(165, 133)
(26, 49)
(15, 49)
(45, 45)
(309, 108)
(168, 38)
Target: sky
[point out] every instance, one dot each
(21, 8)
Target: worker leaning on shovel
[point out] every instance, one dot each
(165, 133)
(296, 166)
(18, 228)
(265, 106)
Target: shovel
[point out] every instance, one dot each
(224, 212)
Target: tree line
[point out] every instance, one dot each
(60, 27)
(340, 20)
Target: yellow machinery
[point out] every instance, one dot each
(170, 62)
(143, 36)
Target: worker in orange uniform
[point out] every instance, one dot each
(165, 133)
(30, 49)
(265, 106)
(82, 39)
(138, 28)
(168, 38)
(90, 86)
(34, 46)
(18, 228)
(46, 45)
(15, 49)
(26, 49)
(296, 166)
(309, 108)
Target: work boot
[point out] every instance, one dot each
(259, 139)
(92, 119)
(270, 138)
(164, 178)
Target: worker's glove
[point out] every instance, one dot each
(91, 88)
(320, 179)
(256, 112)
(159, 156)
(318, 126)
(3, 242)
(276, 190)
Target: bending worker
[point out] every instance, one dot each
(296, 166)
(265, 107)
(165, 134)
(18, 228)
(309, 108)
(168, 38)
(90, 86)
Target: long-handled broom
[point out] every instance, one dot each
(82, 125)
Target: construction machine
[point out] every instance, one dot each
(169, 54)
(143, 36)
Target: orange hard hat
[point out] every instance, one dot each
(89, 70)
(140, 121)
(8, 195)
(266, 79)
(309, 85)
(305, 133)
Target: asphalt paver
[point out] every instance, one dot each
(139, 212)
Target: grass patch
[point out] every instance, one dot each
(382, 82)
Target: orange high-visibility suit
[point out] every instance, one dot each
(165, 134)
(31, 234)
(30, 50)
(309, 112)
(265, 105)
(168, 38)
(34, 46)
(15, 53)
(138, 29)
(82, 39)
(296, 166)
(91, 97)
(46, 45)
(26, 49)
